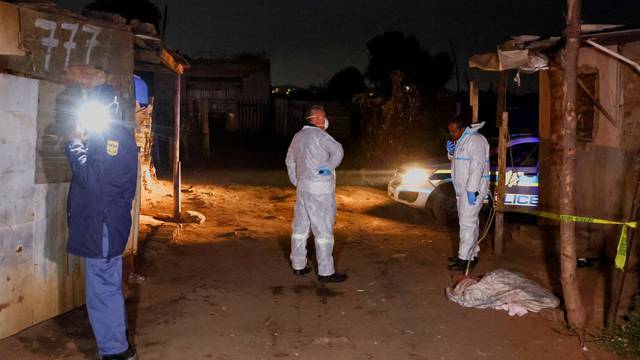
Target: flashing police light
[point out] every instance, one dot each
(93, 117)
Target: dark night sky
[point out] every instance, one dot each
(310, 40)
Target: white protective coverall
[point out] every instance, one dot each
(311, 149)
(470, 173)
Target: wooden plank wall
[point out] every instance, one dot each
(9, 30)
(630, 95)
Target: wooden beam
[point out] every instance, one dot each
(568, 262)
(498, 243)
(474, 101)
(10, 30)
(502, 121)
(177, 176)
(614, 54)
(171, 62)
(597, 104)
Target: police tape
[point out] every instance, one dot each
(621, 252)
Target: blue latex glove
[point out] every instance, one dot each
(472, 197)
(451, 147)
(324, 171)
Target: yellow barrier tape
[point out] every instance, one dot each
(621, 253)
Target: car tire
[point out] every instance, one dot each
(442, 204)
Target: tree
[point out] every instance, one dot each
(346, 83)
(395, 51)
(143, 10)
(570, 290)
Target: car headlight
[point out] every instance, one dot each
(415, 176)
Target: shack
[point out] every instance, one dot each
(48, 56)
(607, 174)
(227, 95)
(161, 69)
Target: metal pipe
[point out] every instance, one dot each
(177, 204)
(164, 21)
(610, 52)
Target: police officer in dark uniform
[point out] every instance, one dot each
(104, 165)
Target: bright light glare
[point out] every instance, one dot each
(93, 117)
(415, 176)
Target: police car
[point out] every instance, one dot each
(428, 185)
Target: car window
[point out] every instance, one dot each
(522, 155)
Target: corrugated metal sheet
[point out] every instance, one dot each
(243, 114)
(253, 115)
(38, 280)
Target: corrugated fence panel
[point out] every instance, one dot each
(253, 115)
(289, 116)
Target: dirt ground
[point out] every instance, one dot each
(225, 290)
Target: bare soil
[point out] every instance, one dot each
(225, 290)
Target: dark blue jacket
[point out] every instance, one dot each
(103, 186)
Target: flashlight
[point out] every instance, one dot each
(93, 116)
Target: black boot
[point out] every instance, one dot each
(461, 265)
(129, 354)
(302, 272)
(453, 259)
(335, 278)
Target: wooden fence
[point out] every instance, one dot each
(288, 116)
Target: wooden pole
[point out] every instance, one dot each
(572, 299)
(204, 118)
(474, 100)
(501, 101)
(501, 184)
(502, 120)
(177, 203)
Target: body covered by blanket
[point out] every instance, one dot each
(502, 290)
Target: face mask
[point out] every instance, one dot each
(326, 122)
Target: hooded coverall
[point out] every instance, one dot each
(313, 148)
(470, 173)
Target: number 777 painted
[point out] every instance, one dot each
(51, 41)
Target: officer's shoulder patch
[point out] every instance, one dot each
(112, 147)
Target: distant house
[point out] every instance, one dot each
(226, 95)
